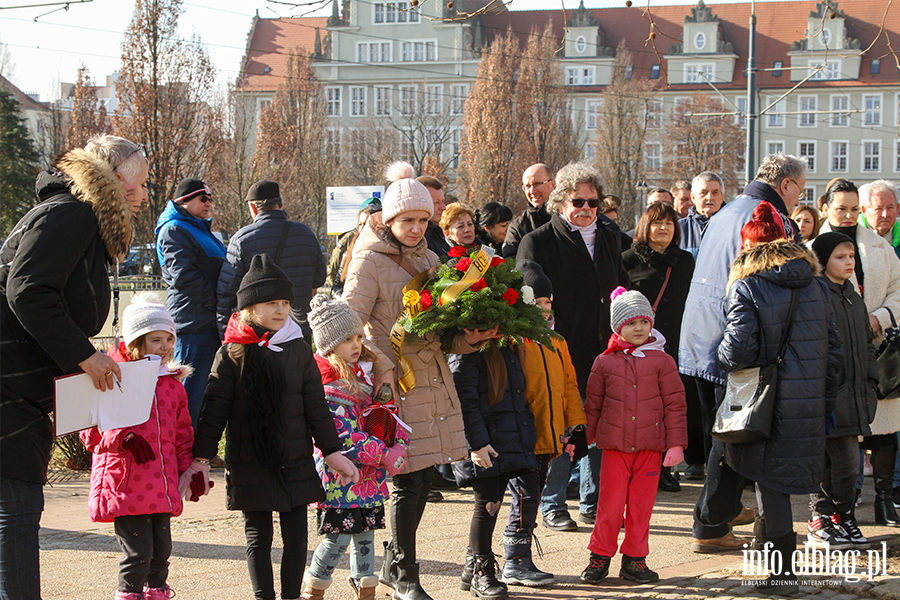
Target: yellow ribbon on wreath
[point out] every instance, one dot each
(411, 307)
(476, 271)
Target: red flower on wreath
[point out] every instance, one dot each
(463, 264)
(425, 299)
(457, 251)
(510, 296)
(497, 261)
(478, 285)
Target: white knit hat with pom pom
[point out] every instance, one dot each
(405, 193)
(146, 313)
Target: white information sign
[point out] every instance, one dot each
(343, 205)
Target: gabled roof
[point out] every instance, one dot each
(268, 45)
(27, 102)
(778, 25)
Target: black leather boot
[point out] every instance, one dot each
(484, 579)
(783, 583)
(388, 573)
(883, 459)
(667, 482)
(465, 580)
(407, 585)
(759, 533)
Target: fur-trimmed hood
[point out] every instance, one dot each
(93, 181)
(768, 259)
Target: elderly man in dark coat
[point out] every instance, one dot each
(537, 183)
(292, 245)
(582, 256)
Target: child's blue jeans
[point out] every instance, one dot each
(332, 548)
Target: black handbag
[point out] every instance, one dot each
(888, 358)
(745, 414)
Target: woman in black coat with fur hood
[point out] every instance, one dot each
(653, 261)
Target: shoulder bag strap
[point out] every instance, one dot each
(284, 236)
(404, 264)
(786, 334)
(662, 289)
(891, 314)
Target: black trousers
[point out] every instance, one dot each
(259, 531)
(775, 508)
(525, 499)
(699, 422)
(837, 492)
(720, 500)
(408, 499)
(488, 498)
(146, 541)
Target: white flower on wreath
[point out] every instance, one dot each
(527, 294)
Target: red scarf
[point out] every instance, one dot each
(329, 373)
(239, 332)
(617, 344)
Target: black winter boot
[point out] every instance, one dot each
(484, 579)
(667, 482)
(783, 583)
(465, 580)
(759, 533)
(634, 568)
(883, 459)
(519, 568)
(388, 573)
(407, 585)
(597, 569)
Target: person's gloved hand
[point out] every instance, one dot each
(577, 445)
(830, 423)
(138, 447)
(482, 457)
(395, 459)
(185, 482)
(674, 455)
(201, 484)
(343, 468)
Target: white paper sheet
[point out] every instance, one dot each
(79, 405)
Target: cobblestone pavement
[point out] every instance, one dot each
(79, 559)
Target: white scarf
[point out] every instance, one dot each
(588, 233)
(290, 331)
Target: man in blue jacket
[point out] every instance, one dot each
(191, 257)
(780, 181)
(293, 247)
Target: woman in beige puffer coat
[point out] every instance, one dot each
(390, 248)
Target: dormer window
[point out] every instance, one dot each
(700, 41)
(580, 44)
(776, 71)
(654, 72)
(825, 37)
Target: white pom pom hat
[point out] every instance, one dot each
(146, 313)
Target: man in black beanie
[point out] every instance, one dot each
(292, 246)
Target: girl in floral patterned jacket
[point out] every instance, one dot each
(350, 513)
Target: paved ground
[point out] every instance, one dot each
(79, 559)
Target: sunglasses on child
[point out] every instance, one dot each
(578, 202)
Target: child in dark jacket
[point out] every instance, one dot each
(266, 389)
(139, 474)
(500, 435)
(833, 520)
(351, 512)
(636, 413)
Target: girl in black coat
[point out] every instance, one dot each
(791, 461)
(266, 389)
(653, 261)
(501, 437)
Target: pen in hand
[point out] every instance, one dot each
(118, 385)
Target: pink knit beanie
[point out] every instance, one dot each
(405, 193)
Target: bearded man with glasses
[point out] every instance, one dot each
(581, 254)
(191, 258)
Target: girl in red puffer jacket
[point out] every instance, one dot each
(135, 470)
(636, 412)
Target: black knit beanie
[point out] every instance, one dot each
(264, 282)
(535, 278)
(825, 243)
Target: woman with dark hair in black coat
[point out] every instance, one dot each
(662, 271)
(492, 221)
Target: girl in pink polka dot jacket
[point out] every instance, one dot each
(135, 471)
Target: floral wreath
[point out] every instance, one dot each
(475, 290)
